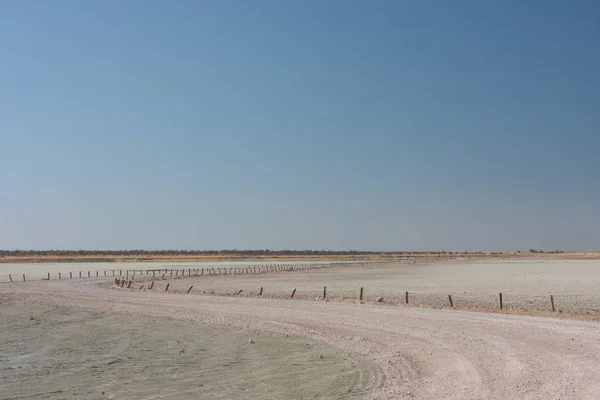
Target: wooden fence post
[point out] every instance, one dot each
(552, 302)
(324, 292)
(23, 277)
(361, 294)
(501, 301)
(48, 275)
(260, 293)
(129, 284)
(10, 277)
(80, 274)
(59, 276)
(450, 299)
(167, 289)
(70, 275)
(190, 289)
(293, 293)
(96, 273)
(151, 285)
(88, 274)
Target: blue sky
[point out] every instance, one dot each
(381, 125)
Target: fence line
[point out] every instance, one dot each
(504, 302)
(205, 271)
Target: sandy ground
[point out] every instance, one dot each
(416, 353)
(57, 352)
(526, 285)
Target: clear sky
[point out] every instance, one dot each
(380, 125)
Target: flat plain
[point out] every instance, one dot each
(140, 344)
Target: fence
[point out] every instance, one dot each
(181, 271)
(150, 280)
(571, 304)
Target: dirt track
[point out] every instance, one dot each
(423, 354)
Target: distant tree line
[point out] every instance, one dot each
(234, 252)
(239, 253)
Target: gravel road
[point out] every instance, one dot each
(422, 354)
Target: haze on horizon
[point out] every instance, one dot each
(284, 124)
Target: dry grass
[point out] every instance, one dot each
(35, 258)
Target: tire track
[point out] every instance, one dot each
(421, 353)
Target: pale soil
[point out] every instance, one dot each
(526, 285)
(420, 353)
(49, 351)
